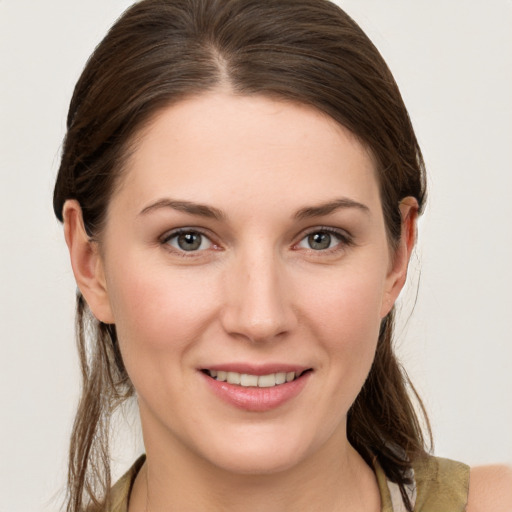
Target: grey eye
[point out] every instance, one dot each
(189, 241)
(319, 241)
(324, 239)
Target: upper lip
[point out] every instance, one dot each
(257, 369)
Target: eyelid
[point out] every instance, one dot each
(344, 237)
(168, 235)
(345, 240)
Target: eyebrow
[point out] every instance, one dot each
(329, 207)
(211, 212)
(185, 206)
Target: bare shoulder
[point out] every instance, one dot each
(490, 488)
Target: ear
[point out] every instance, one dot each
(86, 263)
(397, 275)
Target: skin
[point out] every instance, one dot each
(490, 489)
(254, 291)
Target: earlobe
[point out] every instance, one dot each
(398, 272)
(86, 263)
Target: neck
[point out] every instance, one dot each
(331, 480)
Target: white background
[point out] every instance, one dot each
(453, 62)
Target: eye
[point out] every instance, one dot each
(324, 239)
(188, 241)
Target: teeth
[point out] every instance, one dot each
(233, 378)
(280, 378)
(267, 381)
(247, 380)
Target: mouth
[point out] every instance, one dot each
(256, 388)
(248, 380)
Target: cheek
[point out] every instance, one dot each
(346, 318)
(159, 320)
(155, 312)
(349, 307)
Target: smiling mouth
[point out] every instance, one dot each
(257, 381)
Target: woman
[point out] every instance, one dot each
(239, 187)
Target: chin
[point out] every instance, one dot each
(253, 462)
(262, 451)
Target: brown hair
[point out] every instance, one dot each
(161, 51)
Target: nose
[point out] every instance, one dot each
(259, 292)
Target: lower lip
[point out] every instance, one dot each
(254, 398)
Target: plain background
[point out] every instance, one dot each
(453, 62)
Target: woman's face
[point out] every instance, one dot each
(247, 242)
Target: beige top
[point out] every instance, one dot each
(441, 485)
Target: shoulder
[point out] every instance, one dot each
(490, 488)
(441, 484)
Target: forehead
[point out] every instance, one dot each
(247, 149)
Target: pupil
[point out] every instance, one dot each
(189, 241)
(319, 241)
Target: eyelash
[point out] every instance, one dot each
(165, 239)
(344, 240)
